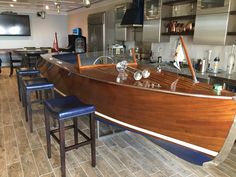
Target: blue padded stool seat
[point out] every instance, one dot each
(68, 108)
(38, 84)
(25, 72)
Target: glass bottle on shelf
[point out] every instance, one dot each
(231, 60)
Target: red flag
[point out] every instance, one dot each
(55, 47)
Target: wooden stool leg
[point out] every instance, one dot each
(22, 92)
(47, 126)
(93, 142)
(18, 85)
(62, 147)
(24, 98)
(53, 96)
(75, 121)
(29, 110)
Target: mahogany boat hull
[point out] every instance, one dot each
(197, 121)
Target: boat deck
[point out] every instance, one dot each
(158, 81)
(124, 154)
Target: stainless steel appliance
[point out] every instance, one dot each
(101, 29)
(152, 21)
(211, 29)
(96, 25)
(213, 6)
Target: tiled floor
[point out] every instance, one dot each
(125, 154)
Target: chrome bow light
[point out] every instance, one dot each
(87, 3)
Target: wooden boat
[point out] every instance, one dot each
(165, 105)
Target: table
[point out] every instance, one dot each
(30, 54)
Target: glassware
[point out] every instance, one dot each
(231, 60)
(121, 66)
(138, 75)
(146, 73)
(158, 68)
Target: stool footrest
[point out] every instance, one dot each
(70, 127)
(75, 146)
(83, 134)
(66, 128)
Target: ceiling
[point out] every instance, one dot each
(39, 5)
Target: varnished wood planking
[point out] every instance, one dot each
(206, 128)
(35, 143)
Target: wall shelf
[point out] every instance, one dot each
(179, 2)
(186, 17)
(232, 12)
(182, 33)
(231, 33)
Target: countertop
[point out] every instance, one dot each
(203, 77)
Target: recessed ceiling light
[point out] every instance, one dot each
(11, 5)
(47, 7)
(14, 0)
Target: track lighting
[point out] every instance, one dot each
(87, 3)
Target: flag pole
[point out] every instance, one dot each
(189, 61)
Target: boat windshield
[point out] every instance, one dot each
(92, 58)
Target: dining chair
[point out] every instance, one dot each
(14, 63)
(29, 48)
(49, 49)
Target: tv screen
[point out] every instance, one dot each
(14, 25)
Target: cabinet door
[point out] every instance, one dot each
(151, 30)
(151, 9)
(211, 29)
(212, 6)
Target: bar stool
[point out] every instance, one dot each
(23, 72)
(29, 86)
(68, 108)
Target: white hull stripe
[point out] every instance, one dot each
(182, 143)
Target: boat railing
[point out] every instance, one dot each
(104, 60)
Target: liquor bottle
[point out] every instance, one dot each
(231, 61)
(216, 65)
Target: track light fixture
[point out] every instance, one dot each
(87, 3)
